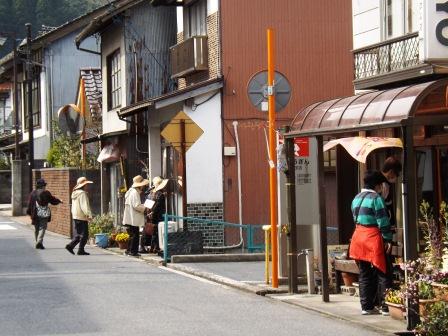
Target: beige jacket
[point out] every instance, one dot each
(81, 206)
(133, 209)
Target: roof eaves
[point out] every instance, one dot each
(99, 21)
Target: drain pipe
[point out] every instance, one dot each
(240, 203)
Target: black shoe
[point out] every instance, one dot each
(39, 246)
(143, 251)
(136, 254)
(70, 249)
(83, 253)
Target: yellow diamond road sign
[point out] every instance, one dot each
(173, 131)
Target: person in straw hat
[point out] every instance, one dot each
(133, 217)
(82, 214)
(158, 209)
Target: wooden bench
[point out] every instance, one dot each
(348, 266)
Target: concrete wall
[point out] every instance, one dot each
(5, 186)
(60, 182)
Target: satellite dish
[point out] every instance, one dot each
(257, 90)
(70, 120)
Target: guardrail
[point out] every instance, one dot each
(251, 240)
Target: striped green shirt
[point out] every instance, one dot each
(369, 209)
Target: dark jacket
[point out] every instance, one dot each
(159, 208)
(43, 197)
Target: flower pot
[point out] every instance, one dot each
(423, 306)
(101, 239)
(123, 245)
(440, 291)
(349, 278)
(396, 311)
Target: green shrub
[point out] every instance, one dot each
(102, 224)
(65, 151)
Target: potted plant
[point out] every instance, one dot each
(100, 228)
(440, 286)
(122, 240)
(434, 234)
(425, 298)
(436, 322)
(93, 230)
(394, 300)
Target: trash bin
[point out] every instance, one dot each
(172, 227)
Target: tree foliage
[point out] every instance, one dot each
(65, 151)
(53, 13)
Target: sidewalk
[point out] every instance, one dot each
(248, 276)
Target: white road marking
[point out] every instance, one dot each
(4, 227)
(193, 277)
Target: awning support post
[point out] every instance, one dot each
(291, 210)
(322, 220)
(410, 228)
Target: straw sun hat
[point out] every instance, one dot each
(159, 183)
(81, 182)
(139, 181)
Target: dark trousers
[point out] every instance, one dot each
(385, 281)
(155, 238)
(134, 235)
(373, 284)
(145, 240)
(81, 234)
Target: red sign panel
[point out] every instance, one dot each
(302, 146)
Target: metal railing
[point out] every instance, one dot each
(395, 54)
(253, 236)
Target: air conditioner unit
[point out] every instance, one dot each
(189, 56)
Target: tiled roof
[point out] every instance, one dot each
(93, 87)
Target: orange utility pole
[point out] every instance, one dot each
(272, 157)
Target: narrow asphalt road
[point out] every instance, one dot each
(51, 292)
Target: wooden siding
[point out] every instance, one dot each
(313, 49)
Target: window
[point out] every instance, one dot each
(400, 17)
(195, 19)
(35, 106)
(114, 80)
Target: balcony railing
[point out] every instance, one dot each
(396, 54)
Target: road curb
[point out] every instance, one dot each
(198, 258)
(226, 281)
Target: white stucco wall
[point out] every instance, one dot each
(111, 42)
(369, 20)
(204, 158)
(366, 22)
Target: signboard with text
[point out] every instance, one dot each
(435, 29)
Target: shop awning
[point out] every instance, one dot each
(359, 147)
(372, 110)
